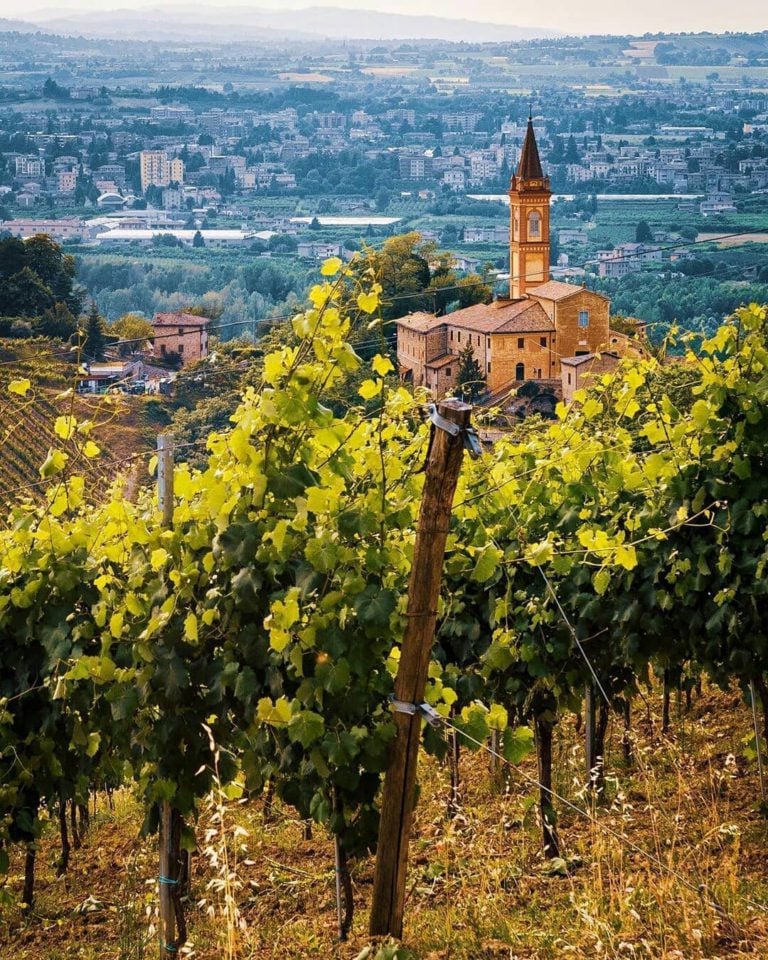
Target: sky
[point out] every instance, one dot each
(584, 16)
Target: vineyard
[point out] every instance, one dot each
(236, 672)
(118, 424)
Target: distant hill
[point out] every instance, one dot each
(237, 23)
(18, 26)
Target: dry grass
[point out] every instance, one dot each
(479, 887)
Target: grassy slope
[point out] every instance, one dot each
(477, 883)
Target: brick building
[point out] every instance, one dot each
(526, 336)
(182, 334)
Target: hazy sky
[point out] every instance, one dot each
(585, 16)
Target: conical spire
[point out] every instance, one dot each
(529, 167)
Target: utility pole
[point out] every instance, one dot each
(451, 431)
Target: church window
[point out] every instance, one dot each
(543, 341)
(534, 224)
(569, 378)
(583, 318)
(520, 371)
(458, 336)
(520, 343)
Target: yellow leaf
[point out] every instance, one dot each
(273, 367)
(190, 628)
(64, 427)
(369, 388)
(626, 556)
(91, 449)
(158, 558)
(382, 365)
(152, 465)
(22, 387)
(116, 624)
(331, 267)
(368, 302)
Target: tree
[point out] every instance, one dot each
(315, 224)
(52, 90)
(134, 328)
(197, 240)
(470, 382)
(58, 321)
(95, 339)
(572, 151)
(643, 232)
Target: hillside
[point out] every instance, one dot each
(123, 425)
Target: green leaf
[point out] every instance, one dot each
(486, 564)
(374, 605)
(305, 727)
(601, 580)
(517, 743)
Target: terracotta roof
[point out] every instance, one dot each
(421, 322)
(179, 319)
(588, 358)
(556, 290)
(442, 361)
(529, 167)
(501, 316)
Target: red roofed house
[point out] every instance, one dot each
(525, 336)
(182, 334)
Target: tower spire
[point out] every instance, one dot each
(529, 167)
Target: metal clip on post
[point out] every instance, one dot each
(471, 440)
(429, 713)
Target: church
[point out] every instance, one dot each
(527, 335)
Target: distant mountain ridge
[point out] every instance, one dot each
(239, 23)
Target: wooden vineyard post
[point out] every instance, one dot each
(170, 822)
(442, 474)
(590, 735)
(758, 746)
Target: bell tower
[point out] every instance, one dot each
(529, 195)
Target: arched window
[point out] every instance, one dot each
(520, 371)
(534, 224)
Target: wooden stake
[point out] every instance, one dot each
(758, 745)
(590, 736)
(172, 931)
(442, 474)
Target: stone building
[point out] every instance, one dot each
(184, 335)
(526, 336)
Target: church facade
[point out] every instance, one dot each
(521, 337)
